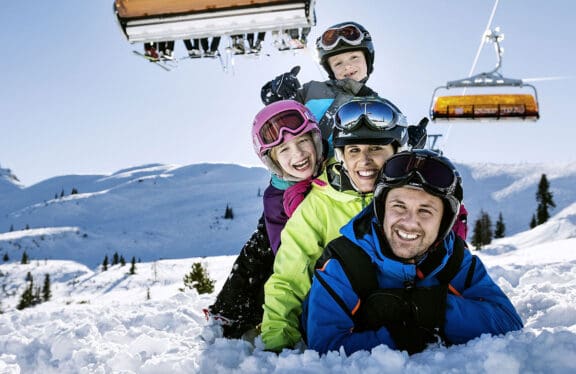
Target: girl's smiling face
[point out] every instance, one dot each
(297, 156)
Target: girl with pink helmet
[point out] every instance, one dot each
(287, 139)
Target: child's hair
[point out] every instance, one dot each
(281, 122)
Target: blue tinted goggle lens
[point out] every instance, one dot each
(377, 115)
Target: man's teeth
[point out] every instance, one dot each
(406, 235)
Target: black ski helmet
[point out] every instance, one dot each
(364, 133)
(365, 45)
(451, 197)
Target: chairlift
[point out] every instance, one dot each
(488, 106)
(149, 21)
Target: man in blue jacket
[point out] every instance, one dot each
(398, 275)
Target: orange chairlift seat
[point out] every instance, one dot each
(160, 20)
(486, 106)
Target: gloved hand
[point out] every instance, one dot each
(385, 307)
(283, 87)
(429, 305)
(414, 317)
(294, 195)
(417, 135)
(413, 339)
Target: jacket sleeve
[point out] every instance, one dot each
(482, 309)
(274, 215)
(328, 325)
(301, 245)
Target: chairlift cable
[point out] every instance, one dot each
(475, 62)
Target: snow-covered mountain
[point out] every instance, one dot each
(158, 211)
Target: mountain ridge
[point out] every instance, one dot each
(159, 211)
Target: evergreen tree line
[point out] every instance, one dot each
(483, 231)
(74, 191)
(34, 295)
(119, 259)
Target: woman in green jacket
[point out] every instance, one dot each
(367, 131)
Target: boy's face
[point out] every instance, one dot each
(412, 218)
(349, 65)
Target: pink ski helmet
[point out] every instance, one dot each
(280, 122)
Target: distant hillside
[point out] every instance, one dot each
(150, 212)
(168, 212)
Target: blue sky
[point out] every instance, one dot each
(75, 100)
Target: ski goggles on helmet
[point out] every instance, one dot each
(351, 34)
(272, 131)
(435, 175)
(378, 115)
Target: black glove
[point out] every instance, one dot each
(417, 135)
(283, 87)
(414, 317)
(384, 307)
(429, 306)
(413, 339)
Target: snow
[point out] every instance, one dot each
(113, 322)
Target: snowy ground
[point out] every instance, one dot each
(103, 322)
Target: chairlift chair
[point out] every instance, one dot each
(487, 106)
(148, 21)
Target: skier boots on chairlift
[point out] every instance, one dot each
(489, 106)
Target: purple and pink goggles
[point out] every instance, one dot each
(293, 122)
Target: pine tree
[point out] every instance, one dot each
(545, 200)
(482, 231)
(74, 191)
(533, 222)
(25, 260)
(198, 279)
(115, 259)
(46, 293)
(228, 214)
(487, 229)
(27, 297)
(105, 263)
(6, 258)
(122, 261)
(500, 230)
(37, 299)
(133, 266)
